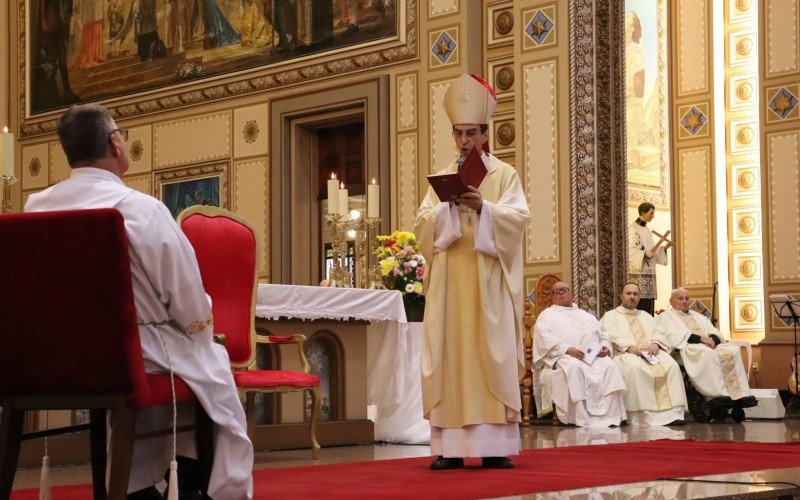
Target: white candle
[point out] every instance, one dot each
(6, 153)
(344, 202)
(333, 195)
(373, 200)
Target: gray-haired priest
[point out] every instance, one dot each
(714, 364)
(655, 386)
(573, 368)
(471, 355)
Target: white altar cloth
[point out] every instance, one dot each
(393, 348)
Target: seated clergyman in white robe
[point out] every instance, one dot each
(565, 340)
(655, 385)
(172, 309)
(713, 364)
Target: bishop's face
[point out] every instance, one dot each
(467, 137)
(680, 300)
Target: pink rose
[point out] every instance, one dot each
(407, 265)
(408, 250)
(396, 271)
(420, 272)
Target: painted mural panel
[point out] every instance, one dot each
(87, 50)
(646, 96)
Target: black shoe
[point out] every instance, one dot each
(677, 423)
(722, 401)
(497, 463)
(442, 463)
(746, 402)
(150, 493)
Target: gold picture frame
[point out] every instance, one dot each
(183, 187)
(400, 47)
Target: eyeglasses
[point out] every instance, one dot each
(471, 133)
(561, 291)
(123, 132)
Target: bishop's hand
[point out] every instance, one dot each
(471, 198)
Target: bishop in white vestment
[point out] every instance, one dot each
(655, 385)
(172, 309)
(471, 353)
(713, 364)
(572, 360)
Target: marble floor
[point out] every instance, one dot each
(771, 483)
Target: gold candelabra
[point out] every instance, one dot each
(7, 180)
(340, 275)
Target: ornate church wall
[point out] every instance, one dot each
(779, 48)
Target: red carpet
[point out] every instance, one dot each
(542, 470)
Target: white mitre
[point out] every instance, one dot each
(469, 100)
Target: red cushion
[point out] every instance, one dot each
(280, 338)
(266, 379)
(161, 393)
(226, 254)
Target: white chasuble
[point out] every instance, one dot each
(714, 372)
(170, 305)
(642, 264)
(471, 353)
(654, 389)
(585, 395)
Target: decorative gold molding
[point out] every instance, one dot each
(249, 82)
(597, 131)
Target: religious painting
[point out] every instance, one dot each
(90, 50)
(196, 185)
(646, 109)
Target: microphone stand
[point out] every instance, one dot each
(794, 404)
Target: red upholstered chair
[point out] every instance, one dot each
(227, 251)
(70, 339)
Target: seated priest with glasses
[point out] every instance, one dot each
(172, 309)
(573, 368)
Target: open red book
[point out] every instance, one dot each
(449, 186)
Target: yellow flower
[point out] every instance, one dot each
(418, 287)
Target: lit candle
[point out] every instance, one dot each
(6, 153)
(333, 195)
(373, 200)
(344, 202)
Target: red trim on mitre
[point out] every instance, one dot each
(489, 89)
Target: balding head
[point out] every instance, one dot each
(562, 294)
(680, 299)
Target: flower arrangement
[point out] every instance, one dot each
(402, 268)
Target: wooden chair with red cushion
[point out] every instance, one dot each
(71, 340)
(543, 295)
(228, 253)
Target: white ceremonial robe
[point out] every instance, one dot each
(170, 305)
(584, 395)
(655, 392)
(642, 269)
(714, 372)
(472, 357)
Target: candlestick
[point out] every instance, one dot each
(373, 200)
(333, 195)
(344, 202)
(375, 280)
(6, 168)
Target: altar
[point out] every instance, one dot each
(367, 354)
